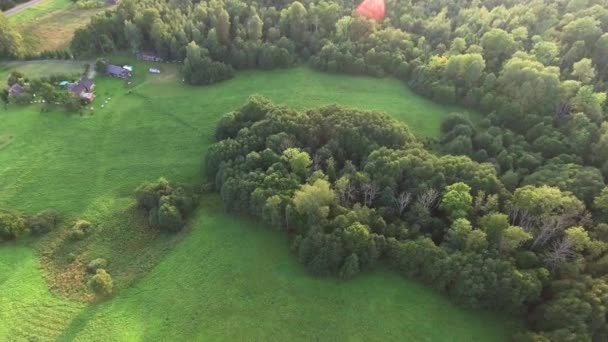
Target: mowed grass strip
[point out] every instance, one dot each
(228, 279)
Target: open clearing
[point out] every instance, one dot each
(50, 25)
(225, 278)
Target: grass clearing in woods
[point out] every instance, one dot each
(223, 277)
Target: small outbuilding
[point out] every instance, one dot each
(154, 70)
(149, 56)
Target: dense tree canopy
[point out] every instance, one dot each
(355, 188)
(505, 213)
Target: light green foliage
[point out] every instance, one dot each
(96, 264)
(476, 241)
(457, 200)
(579, 237)
(584, 70)
(12, 225)
(314, 200)
(494, 225)
(101, 283)
(299, 161)
(459, 232)
(513, 237)
(544, 201)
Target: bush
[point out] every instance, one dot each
(44, 222)
(101, 283)
(94, 265)
(166, 205)
(80, 230)
(12, 226)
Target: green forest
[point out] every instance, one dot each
(506, 211)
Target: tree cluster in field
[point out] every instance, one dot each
(166, 205)
(14, 225)
(355, 188)
(45, 90)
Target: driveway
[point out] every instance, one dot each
(21, 7)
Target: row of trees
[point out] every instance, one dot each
(44, 90)
(14, 225)
(355, 188)
(536, 67)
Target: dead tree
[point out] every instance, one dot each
(370, 191)
(559, 253)
(523, 218)
(316, 162)
(402, 201)
(428, 199)
(346, 193)
(552, 227)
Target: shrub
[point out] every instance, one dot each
(166, 205)
(80, 230)
(101, 283)
(94, 265)
(12, 225)
(169, 218)
(44, 222)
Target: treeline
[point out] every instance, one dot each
(355, 188)
(537, 68)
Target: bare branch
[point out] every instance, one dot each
(402, 201)
(316, 162)
(370, 191)
(428, 199)
(559, 253)
(523, 218)
(552, 227)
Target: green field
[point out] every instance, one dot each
(35, 69)
(50, 25)
(222, 279)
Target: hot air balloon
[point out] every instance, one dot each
(372, 9)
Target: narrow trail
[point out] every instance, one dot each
(21, 7)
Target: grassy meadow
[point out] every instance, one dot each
(223, 278)
(50, 24)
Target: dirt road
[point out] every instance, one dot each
(21, 7)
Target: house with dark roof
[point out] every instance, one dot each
(16, 90)
(117, 71)
(83, 89)
(87, 83)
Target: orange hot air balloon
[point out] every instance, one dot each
(372, 9)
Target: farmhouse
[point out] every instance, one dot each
(83, 89)
(16, 90)
(117, 71)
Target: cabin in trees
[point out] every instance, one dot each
(117, 71)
